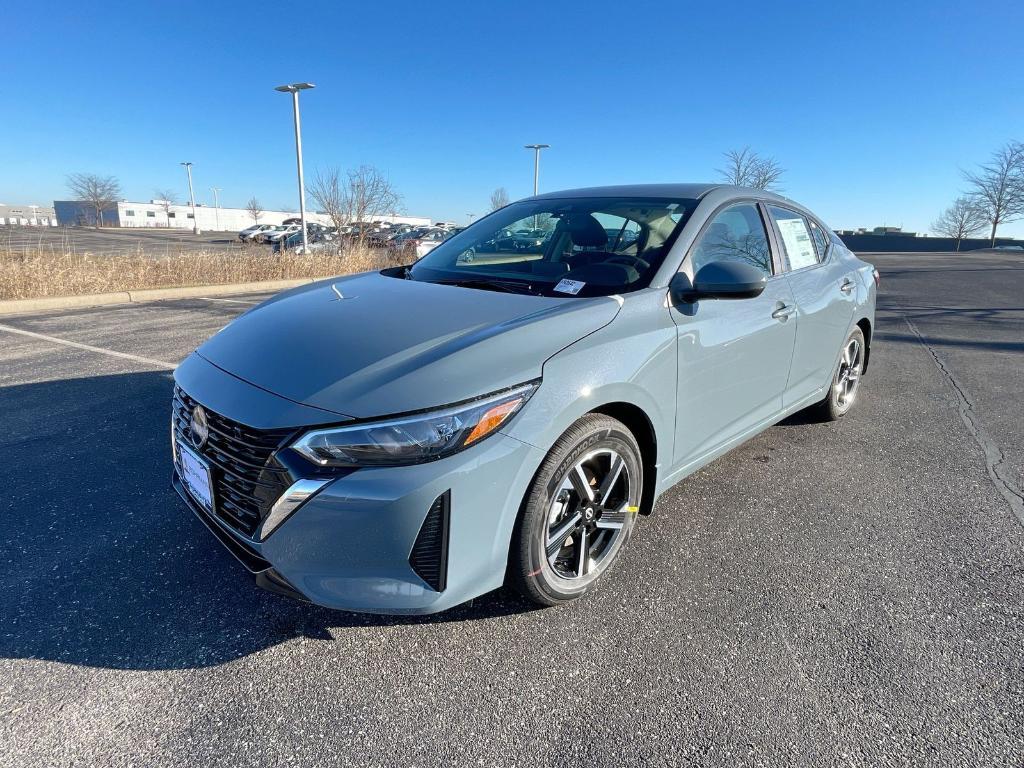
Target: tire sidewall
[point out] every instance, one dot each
(541, 579)
(836, 410)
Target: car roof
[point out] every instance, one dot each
(694, 191)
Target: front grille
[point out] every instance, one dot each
(429, 556)
(246, 478)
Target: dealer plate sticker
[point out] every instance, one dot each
(195, 474)
(569, 286)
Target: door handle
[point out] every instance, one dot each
(847, 286)
(783, 312)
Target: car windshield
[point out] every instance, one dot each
(561, 247)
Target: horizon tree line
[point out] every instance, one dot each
(994, 194)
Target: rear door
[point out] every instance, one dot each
(824, 289)
(733, 355)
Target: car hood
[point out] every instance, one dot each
(372, 345)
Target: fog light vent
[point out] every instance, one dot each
(429, 557)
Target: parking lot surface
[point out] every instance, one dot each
(838, 594)
(152, 241)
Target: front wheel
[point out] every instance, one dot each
(578, 513)
(843, 392)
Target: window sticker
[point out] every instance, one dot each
(799, 247)
(569, 286)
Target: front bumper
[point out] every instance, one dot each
(261, 570)
(351, 545)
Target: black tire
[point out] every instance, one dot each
(839, 401)
(590, 446)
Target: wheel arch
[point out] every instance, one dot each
(640, 424)
(865, 326)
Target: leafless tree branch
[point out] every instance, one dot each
(368, 195)
(255, 209)
(745, 168)
(99, 191)
(998, 186)
(499, 198)
(166, 198)
(962, 219)
(329, 196)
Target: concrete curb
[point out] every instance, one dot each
(23, 306)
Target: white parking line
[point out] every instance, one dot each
(229, 301)
(89, 348)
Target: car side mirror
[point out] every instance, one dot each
(720, 280)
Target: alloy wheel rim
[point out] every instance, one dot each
(848, 378)
(588, 515)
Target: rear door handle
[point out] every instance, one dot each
(783, 312)
(847, 286)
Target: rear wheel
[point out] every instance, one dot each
(843, 392)
(579, 512)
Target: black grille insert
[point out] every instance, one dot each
(429, 557)
(246, 478)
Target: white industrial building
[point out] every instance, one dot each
(27, 216)
(163, 214)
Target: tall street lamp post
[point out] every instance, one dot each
(192, 198)
(294, 89)
(216, 205)
(536, 163)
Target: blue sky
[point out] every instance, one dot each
(873, 108)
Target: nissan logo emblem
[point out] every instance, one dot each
(198, 428)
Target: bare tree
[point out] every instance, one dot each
(962, 219)
(998, 186)
(745, 168)
(329, 196)
(368, 195)
(166, 199)
(255, 209)
(99, 191)
(499, 198)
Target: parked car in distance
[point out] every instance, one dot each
(381, 237)
(279, 233)
(316, 240)
(405, 440)
(419, 242)
(251, 233)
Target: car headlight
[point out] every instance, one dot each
(412, 439)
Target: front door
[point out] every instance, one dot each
(733, 355)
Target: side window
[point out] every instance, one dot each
(820, 240)
(796, 238)
(735, 234)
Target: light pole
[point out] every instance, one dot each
(192, 198)
(294, 89)
(470, 216)
(216, 205)
(536, 163)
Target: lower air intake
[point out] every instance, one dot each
(429, 557)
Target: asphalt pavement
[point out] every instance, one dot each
(152, 241)
(839, 594)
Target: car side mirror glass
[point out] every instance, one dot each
(720, 280)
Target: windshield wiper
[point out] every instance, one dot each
(506, 286)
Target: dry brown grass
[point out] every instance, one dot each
(28, 274)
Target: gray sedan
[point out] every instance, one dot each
(405, 440)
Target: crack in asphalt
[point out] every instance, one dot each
(994, 456)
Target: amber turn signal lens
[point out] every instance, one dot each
(492, 419)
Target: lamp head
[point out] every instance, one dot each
(294, 87)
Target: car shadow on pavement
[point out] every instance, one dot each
(104, 566)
